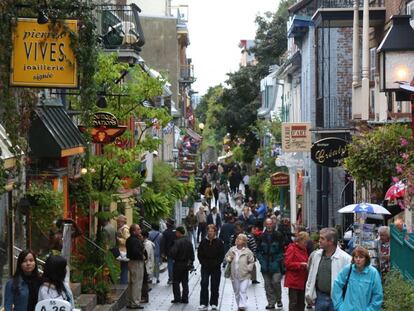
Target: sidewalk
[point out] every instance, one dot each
(161, 295)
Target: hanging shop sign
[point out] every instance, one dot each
(296, 137)
(105, 128)
(279, 179)
(329, 152)
(42, 56)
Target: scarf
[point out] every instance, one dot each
(33, 283)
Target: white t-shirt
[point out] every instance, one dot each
(50, 292)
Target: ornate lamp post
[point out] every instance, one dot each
(396, 53)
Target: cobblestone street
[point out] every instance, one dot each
(161, 295)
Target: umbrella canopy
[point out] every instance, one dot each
(368, 208)
(396, 191)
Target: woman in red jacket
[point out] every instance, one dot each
(296, 263)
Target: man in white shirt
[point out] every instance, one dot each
(214, 219)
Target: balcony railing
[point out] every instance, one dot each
(402, 252)
(187, 73)
(119, 26)
(346, 3)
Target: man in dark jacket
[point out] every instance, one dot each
(211, 255)
(270, 255)
(183, 255)
(136, 255)
(214, 218)
(226, 232)
(168, 237)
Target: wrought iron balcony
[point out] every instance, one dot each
(119, 26)
(187, 73)
(346, 3)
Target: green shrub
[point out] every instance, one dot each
(398, 293)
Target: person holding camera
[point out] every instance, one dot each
(211, 255)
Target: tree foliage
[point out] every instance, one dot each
(373, 156)
(241, 98)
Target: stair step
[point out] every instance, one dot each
(76, 289)
(118, 297)
(86, 302)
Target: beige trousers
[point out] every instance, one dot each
(136, 276)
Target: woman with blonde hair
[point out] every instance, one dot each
(241, 263)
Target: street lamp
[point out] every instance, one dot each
(201, 128)
(396, 53)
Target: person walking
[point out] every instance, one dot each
(183, 255)
(53, 281)
(190, 223)
(136, 256)
(247, 218)
(122, 235)
(270, 255)
(201, 223)
(241, 261)
(149, 247)
(155, 236)
(358, 285)
(296, 263)
(226, 232)
(383, 251)
(251, 244)
(210, 254)
(324, 267)
(22, 289)
(214, 218)
(168, 241)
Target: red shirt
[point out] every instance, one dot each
(296, 274)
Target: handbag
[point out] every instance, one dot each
(227, 271)
(346, 283)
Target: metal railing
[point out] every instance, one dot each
(187, 73)
(119, 26)
(346, 3)
(402, 252)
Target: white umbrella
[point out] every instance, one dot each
(368, 208)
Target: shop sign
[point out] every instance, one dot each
(279, 179)
(296, 137)
(329, 152)
(42, 56)
(105, 128)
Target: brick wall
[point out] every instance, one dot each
(393, 8)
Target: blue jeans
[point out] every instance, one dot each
(170, 266)
(157, 263)
(193, 237)
(124, 272)
(323, 302)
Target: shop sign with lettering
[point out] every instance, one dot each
(42, 55)
(329, 151)
(296, 137)
(105, 128)
(279, 179)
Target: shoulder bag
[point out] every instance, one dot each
(346, 283)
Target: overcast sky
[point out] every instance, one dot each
(216, 28)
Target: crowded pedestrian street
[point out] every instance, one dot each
(161, 295)
(232, 155)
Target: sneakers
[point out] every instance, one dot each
(270, 307)
(213, 307)
(255, 282)
(203, 308)
(280, 305)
